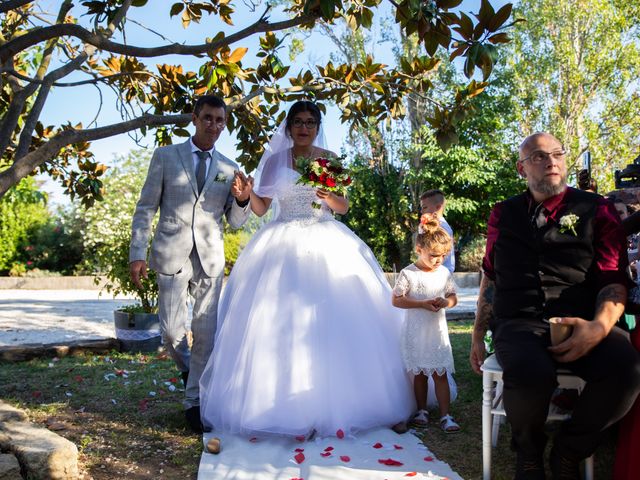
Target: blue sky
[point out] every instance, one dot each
(83, 103)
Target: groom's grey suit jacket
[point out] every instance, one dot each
(186, 218)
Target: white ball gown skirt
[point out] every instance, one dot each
(307, 337)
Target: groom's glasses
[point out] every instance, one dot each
(309, 124)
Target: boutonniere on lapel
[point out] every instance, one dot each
(568, 223)
(221, 177)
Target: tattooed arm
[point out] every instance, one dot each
(587, 334)
(484, 313)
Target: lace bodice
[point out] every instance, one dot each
(295, 203)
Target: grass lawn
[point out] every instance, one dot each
(124, 413)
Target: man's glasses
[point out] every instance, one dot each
(220, 122)
(309, 124)
(540, 156)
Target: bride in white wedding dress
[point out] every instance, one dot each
(308, 341)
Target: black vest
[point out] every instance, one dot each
(541, 272)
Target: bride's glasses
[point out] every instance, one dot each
(309, 124)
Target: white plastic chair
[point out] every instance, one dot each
(493, 413)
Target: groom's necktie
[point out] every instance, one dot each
(201, 169)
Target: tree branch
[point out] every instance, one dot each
(8, 5)
(17, 45)
(93, 81)
(22, 167)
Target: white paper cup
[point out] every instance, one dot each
(559, 331)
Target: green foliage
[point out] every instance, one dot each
(234, 242)
(471, 253)
(22, 210)
(54, 246)
(378, 210)
(107, 229)
(471, 180)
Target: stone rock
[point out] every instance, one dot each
(9, 413)
(43, 454)
(9, 467)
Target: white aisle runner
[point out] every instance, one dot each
(377, 454)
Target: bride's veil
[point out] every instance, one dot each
(276, 163)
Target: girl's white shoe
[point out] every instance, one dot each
(448, 424)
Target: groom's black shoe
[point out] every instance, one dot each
(192, 415)
(185, 377)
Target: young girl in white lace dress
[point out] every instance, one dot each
(425, 288)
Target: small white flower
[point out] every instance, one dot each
(221, 177)
(568, 223)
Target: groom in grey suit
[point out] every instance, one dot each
(193, 186)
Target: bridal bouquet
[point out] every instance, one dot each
(325, 173)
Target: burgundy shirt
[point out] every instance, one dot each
(610, 242)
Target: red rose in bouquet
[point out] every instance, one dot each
(325, 173)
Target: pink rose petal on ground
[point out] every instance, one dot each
(299, 457)
(428, 459)
(299, 449)
(328, 449)
(377, 445)
(391, 462)
(325, 454)
(398, 447)
(300, 438)
(340, 434)
(345, 458)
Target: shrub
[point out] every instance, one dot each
(471, 254)
(22, 210)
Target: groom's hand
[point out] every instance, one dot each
(137, 269)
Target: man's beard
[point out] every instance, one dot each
(545, 187)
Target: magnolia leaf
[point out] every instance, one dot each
(446, 139)
(500, 18)
(237, 55)
(176, 8)
(499, 38)
(447, 4)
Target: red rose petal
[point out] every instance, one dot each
(391, 462)
(411, 474)
(398, 447)
(340, 434)
(345, 458)
(299, 457)
(299, 450)
(253, 439)
(36, 394)
(325, 454)
(328, 449)
(300, 438)
(377, 445)
(143, 405)
(78, 378)
(428, 459)
(173, 380)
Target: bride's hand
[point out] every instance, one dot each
(323, 194)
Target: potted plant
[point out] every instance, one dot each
(106, 235)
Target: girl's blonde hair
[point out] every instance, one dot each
(431, 236)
